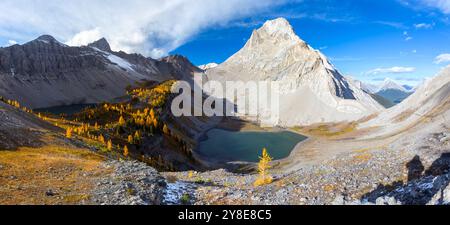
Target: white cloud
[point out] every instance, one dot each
(85, 37)
(395, 69)
(443, 5)
(150, 27)
(423, 26)
(9, 43)
(12, 42)
(407, 36)
(442, 58)
(392, 24)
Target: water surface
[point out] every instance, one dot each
(247, 146)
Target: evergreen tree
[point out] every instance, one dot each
(125, 151)
(263, 169)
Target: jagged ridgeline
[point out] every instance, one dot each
(44, 72)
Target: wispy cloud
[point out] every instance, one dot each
(442, 58)
(392, 24)
(151, 27)
(407, 36)
(391, 70)
(443, 5)
(423, 25)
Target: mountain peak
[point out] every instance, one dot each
(278, 32)
(101, 44)
(46, 38)
(179, 60)
(279, 25)
(389, 83)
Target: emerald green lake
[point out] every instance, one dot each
(247, 146)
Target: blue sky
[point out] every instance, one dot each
(406, 40)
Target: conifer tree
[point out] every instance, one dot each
(101, 139)
(130, 139)
(121, 121)
(263, 169)
(166, 130)
(109, 146)
(125, 151)
(152, 114)
(137, 136)
(69, 132)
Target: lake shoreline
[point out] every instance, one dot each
(250, 130)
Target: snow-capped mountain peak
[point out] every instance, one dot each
(208, 66)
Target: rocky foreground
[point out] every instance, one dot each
(383, 177)
(417, 176)
(130, 183)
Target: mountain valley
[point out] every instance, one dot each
(359, 144)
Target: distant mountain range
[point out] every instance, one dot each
(431, 99)
(388, 93)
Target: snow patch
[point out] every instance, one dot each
(120, 62)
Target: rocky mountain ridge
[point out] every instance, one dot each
(44, 72)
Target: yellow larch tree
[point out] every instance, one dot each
(69, 132)
(109, 146)
(166, 130)
(101, 139)
(125, 151)
(130, 139)
(137, 136)
(148, 122)
(152, 114)
(263, 169)
(121, 121)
